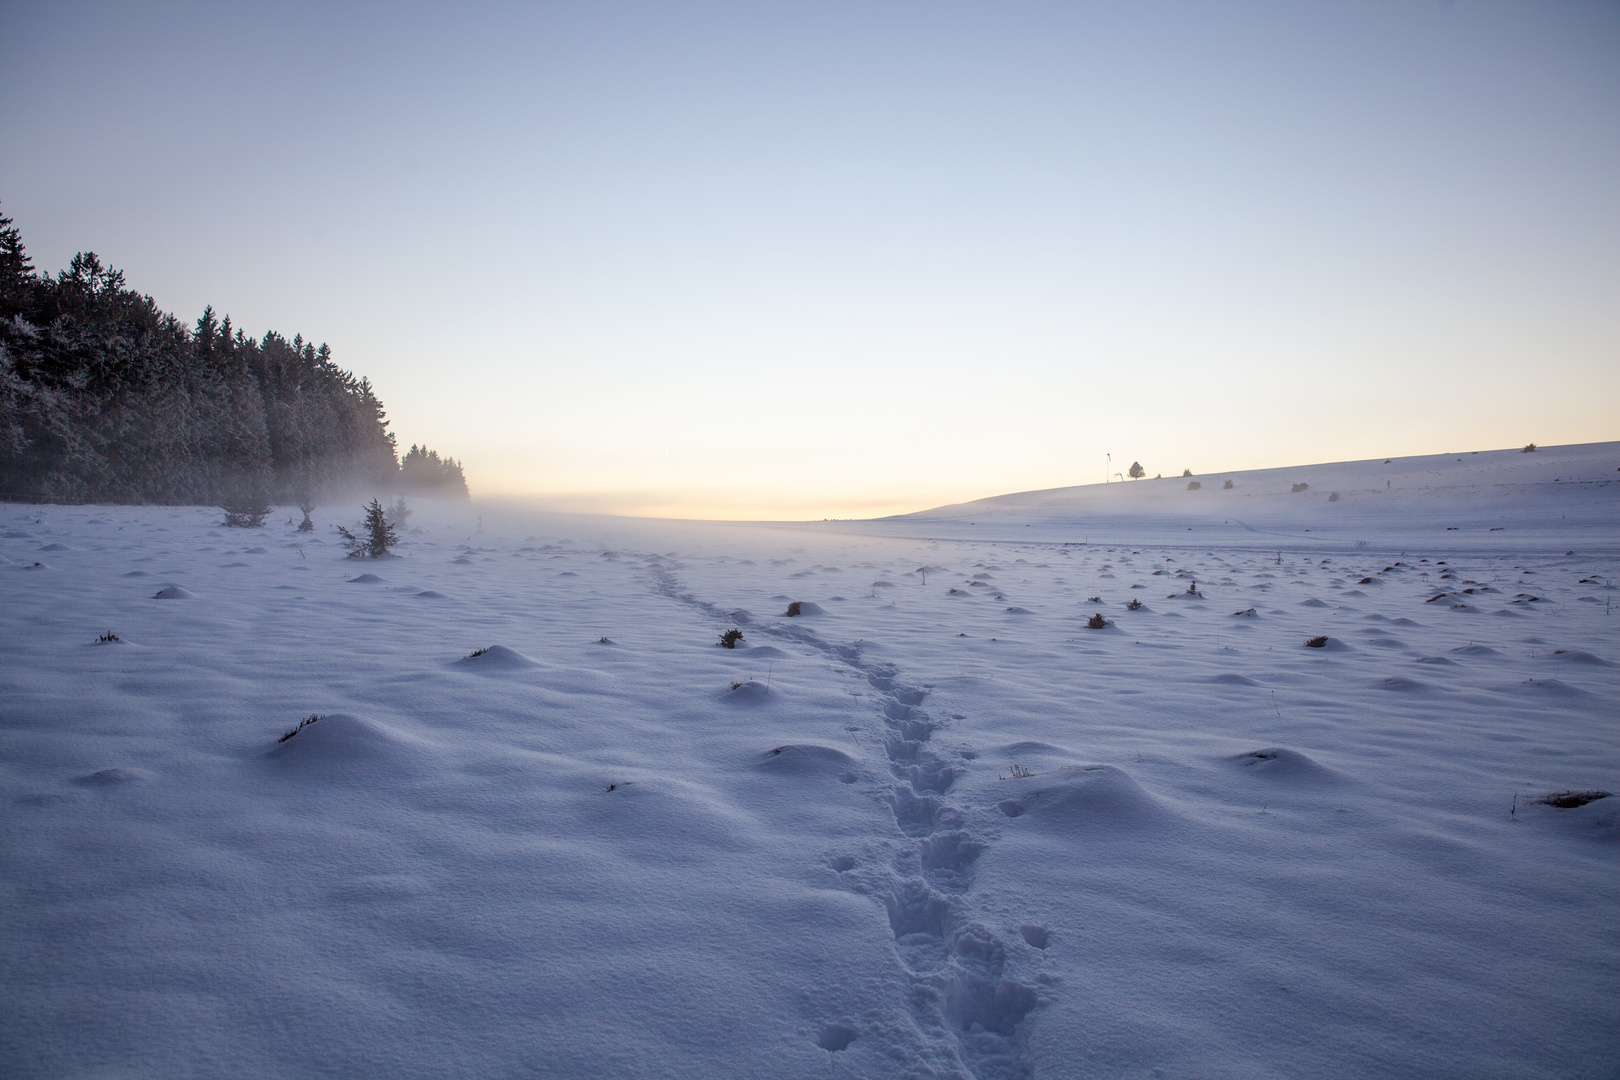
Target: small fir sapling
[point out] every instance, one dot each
(376, 536)
(1134, 605)
(1136, 472)
(730, 638)
(1320, 641)
(795, 609)
(1193, 485)
(398, 514)
(1297, 488)
(1227, 486)
(245, 511)
(1096, 622)
(1186, 472)
(1529, 448)
(307, 505)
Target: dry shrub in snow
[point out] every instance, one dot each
(1569, 800)
(302, 724)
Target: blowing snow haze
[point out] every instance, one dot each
(800, 262)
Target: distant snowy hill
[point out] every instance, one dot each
(1550, 496)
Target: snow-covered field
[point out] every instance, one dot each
(934, 825)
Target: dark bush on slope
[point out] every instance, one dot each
(106, 398)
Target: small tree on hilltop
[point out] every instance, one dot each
(378, 536)
(1136, 472)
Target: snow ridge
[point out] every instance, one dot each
(961, 1000)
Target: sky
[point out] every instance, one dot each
(801, 260)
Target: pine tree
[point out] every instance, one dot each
(104, 397)
(378, 536)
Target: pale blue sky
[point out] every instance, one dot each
(793, 259)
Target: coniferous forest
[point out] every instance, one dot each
(106, 398)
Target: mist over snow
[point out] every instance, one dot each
(1047, 785)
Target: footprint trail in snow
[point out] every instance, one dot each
(960, 994)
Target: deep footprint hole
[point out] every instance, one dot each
(1036, 937)
(835, 1037)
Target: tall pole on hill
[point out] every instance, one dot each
(1108, 468)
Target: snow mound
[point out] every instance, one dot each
(365, 579)
(804, 607)
(1030, 748)
(108, 778)
(1280, 763)
(1576, 656)
(497, 658)
(137, 573)
(1231, 679)
(747, 693)
(1086, 796)
(431, 594)
(349, 745)
(57, 547)
(758, 651)
(1548, 687)
(173, 592)
(805, 759)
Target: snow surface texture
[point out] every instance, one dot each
(928, 827)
